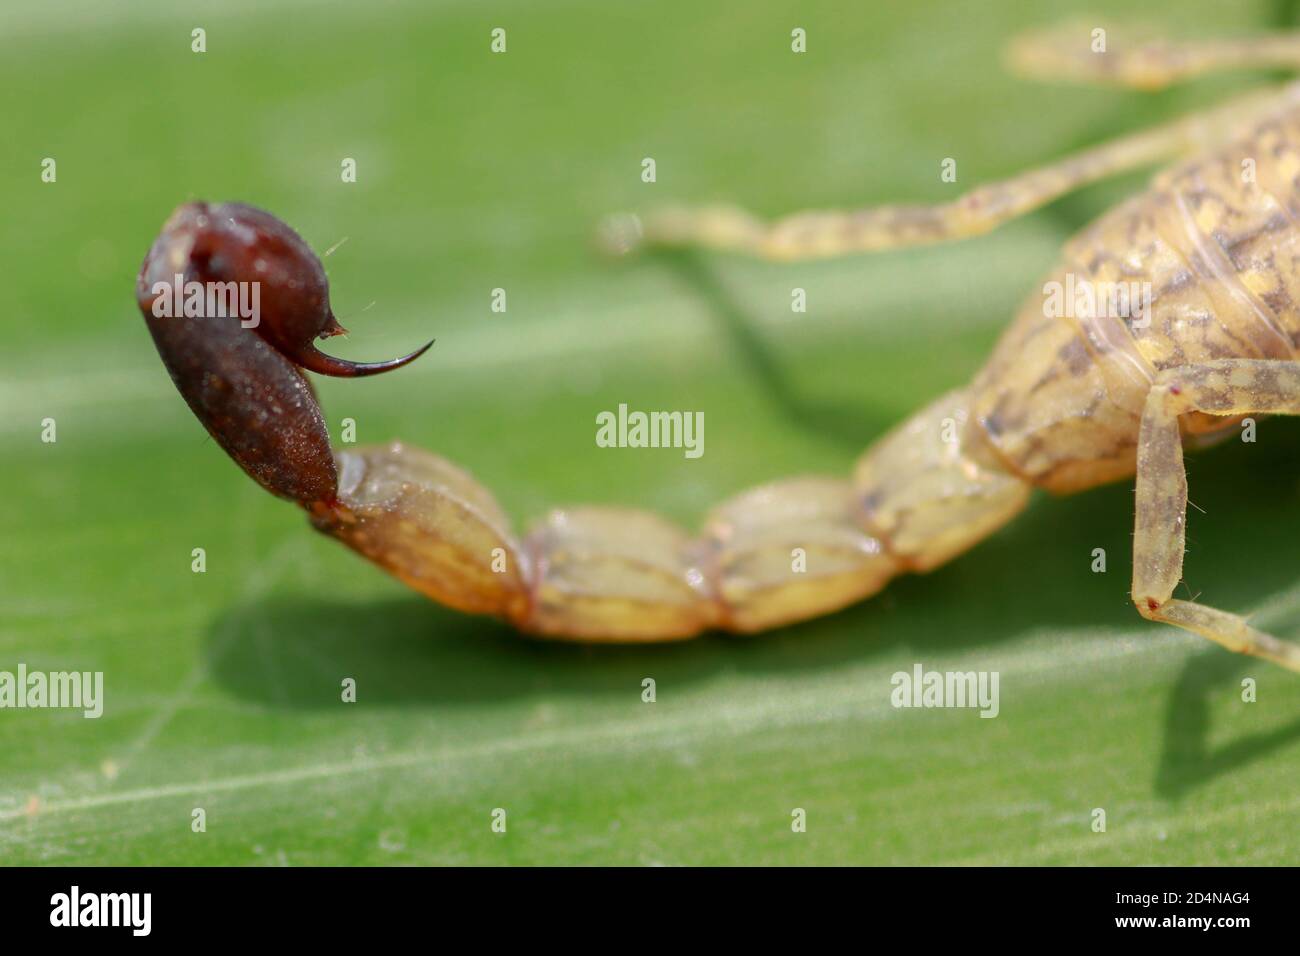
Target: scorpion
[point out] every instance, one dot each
(1066, 402)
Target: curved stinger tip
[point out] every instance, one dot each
(314, 360)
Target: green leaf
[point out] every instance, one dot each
(480, 171)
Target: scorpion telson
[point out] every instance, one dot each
(243, 382)
(1066, 402)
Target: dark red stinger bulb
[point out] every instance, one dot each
(244, 383)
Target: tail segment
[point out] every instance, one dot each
(771, 556)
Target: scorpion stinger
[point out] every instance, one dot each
(313, 360)
(239, 372)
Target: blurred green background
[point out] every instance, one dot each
(479, 171)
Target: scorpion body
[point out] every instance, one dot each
(1066, 402)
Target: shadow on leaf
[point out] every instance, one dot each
(1187, 760)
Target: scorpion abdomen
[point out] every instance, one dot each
(1203, 266)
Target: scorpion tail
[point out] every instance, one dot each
(934, 487)
(773, 555)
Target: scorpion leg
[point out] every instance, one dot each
(1065, 52)
(1227, 387)
(826, 233)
